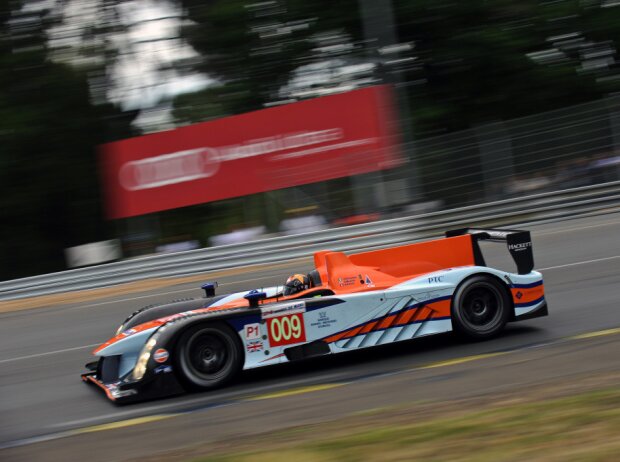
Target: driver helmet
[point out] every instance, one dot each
(296, 283)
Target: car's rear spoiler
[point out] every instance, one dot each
(519, 244)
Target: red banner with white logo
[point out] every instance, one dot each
(305, 142)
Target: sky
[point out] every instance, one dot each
(143, 74)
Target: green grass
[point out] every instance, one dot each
(584, 427)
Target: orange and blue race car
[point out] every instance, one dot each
(347, 302)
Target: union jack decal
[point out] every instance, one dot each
(256, 345)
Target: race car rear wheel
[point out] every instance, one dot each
(207, 356)
(480, 307)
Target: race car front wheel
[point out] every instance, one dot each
(480, 308)
(207, 356)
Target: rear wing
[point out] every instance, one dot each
(519, 245)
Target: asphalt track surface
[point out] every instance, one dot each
(42, 353)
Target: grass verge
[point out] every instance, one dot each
(583, 427)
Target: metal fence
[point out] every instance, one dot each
(565, 148)
(560, 149)
(553, 205)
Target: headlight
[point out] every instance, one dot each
(140, 367)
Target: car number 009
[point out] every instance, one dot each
(285, 330)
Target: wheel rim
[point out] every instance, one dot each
(482, 307)
(206, 357)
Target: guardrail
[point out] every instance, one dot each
(379, 234)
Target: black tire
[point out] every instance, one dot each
(207, 356)
(480, 308)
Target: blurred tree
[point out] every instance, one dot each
(210, 103)
(251, 48)
(482, 62)
(476, 61)
(485, 61)
(473, 62)
(49, 133)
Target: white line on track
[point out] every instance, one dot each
(567, 265)
(193, 289)
(157, 294)
(575, 228)
(200, 401)
(47, 353)
(256, 279)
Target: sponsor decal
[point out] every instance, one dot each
(369, 282)
(254, 346)
(251, 331)
(324, 321)
(168, 169)
(166, 369)
(161, 355)
(433, 279)
(305, 142)
(348, 281)
(497, 234)
(519, 295)
(129, 332)
(286, 330)
(528, 293)
(279, 310)
(520, 246)
(204, 162)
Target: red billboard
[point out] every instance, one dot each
(305, 142)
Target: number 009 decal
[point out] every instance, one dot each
(286, 330)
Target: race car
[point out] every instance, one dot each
(346, 303)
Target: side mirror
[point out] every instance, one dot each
(254, 296)
(209, 288)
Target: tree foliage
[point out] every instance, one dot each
(50, 195)
(471, 63)
(252, 48)
(474, 61)
(479, 62)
